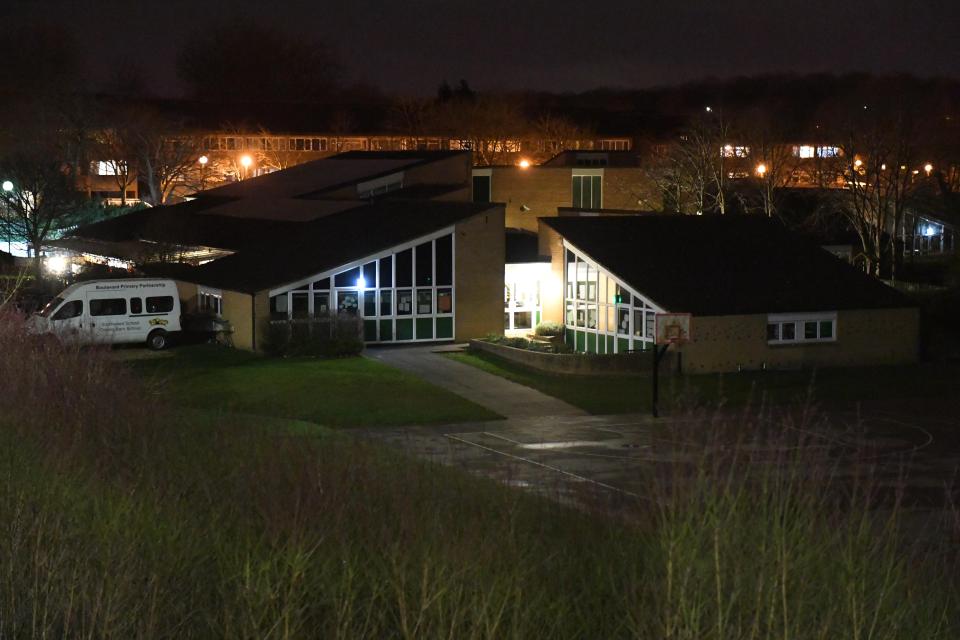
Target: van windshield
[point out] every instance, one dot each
(48, 310)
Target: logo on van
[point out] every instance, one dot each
(158, 321)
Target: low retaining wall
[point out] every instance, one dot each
(575, 363)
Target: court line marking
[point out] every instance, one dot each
(544, 465)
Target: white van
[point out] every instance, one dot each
(122, 311)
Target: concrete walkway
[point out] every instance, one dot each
(507, 398)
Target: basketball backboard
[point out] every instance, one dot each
(672, 328)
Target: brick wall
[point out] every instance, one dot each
(551, 291)
(542, 190)
(479, 248)
(864, 337)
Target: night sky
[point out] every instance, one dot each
(558, 45)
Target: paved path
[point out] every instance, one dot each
(506, 398)
(549, 447)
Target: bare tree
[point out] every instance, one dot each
(166, 153)
(116, 148)
(773, 162)
(411, 116)
(43, 192)
(878, 169)
(705, 153)
(558, 133)
(341, 124)
(275, 153)
(492, 127)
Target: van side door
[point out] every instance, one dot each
(108, 316)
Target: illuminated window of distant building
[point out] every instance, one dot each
(734, 151)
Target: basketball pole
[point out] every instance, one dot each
(658, 354)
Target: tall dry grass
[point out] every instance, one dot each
(121, 517)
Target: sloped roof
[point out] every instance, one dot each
(332, 241)
(312, 178)
(191, 223)
(723, 265)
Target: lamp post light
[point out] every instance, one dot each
(7, 189)
(203, 160)
(761, 170)
(246, 161)
(928, 168)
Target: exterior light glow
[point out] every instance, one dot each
(883, 167)
(858, 163)
(7, 186)
(524, 164)
(56, 264)
(361, 283)
(928, 168)
(761, 169)
(709, 109)
(928, 230)
(246, 161)
(203, 160)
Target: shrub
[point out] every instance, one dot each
(333, 336)
(549, 329)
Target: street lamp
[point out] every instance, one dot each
(524, 164)
(7, 188)
(246, 161)
(928, 168)
(761, 169)
(203, 160)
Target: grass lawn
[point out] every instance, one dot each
(339, 393)
(624, 394)
(122, 515)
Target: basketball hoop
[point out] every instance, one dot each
(672, 328)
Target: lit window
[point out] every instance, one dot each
(733, 151)
(105, 168)
(804, 151)
(799, 329)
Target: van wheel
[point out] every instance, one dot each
(157, 340)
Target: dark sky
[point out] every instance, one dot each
(410, 45)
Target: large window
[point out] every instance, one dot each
(404, 294)
(588, 192)
(603, 314)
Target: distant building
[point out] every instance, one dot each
(588, 180)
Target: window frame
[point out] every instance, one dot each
(798, 322)
(375, 285)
